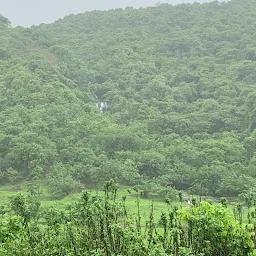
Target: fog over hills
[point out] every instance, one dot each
(33, 12)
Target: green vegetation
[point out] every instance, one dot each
(179, 84)
(96, 225)
(175, 93)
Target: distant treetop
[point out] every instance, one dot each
(4, 22)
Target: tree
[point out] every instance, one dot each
(4, 22)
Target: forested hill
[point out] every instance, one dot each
(179, 83)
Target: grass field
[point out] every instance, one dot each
(145, 205)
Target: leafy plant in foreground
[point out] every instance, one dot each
(96, 225)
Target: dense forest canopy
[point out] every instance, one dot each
(179, 84)
(28, 12)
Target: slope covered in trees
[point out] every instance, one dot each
(179, 82)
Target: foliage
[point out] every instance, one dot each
(179, 83)
(103, 226)
(61, 183)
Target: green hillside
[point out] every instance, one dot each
(179, 83)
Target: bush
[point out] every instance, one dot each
(61, 183)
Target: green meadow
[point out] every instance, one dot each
(131, 200)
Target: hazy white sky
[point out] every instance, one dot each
(33, 12)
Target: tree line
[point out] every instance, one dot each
(179, 82)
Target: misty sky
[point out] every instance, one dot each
(33, 12)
